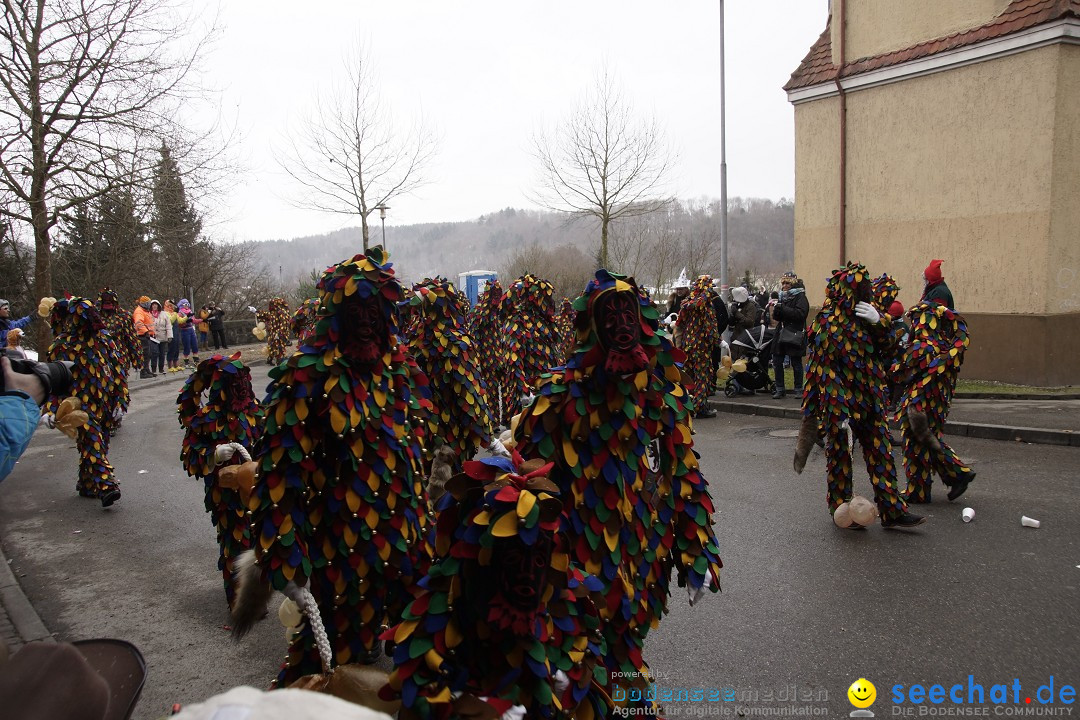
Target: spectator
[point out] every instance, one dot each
(204, 328)
(720, 308)
(144, 328)
(217, 327)
(936, 291)
(744, 315)
(22, 391)
(188, 341)
(161, 338)
(679, 293)
(6, 323)
(790, 313)
(174, 338)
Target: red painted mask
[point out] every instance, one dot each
(363, 330)
(618, 325)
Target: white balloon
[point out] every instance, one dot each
(842, 516)
(863, 511)
(289, 614)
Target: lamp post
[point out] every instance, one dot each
(382, 208)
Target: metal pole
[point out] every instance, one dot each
(723, 163)
(383, 219)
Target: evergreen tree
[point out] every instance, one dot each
(176, 233)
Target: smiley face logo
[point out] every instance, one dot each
(862, 693)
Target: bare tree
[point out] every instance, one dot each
(89, 89)
(350, 155)
(603, 162)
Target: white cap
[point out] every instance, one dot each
(739, 294)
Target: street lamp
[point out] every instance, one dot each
(382, 208)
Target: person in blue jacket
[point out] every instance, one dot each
(6, 323)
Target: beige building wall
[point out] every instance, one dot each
(817, 192)
(875, 27)
(958, 165)
(1063, 271)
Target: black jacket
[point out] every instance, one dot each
(790, 313)
(720, 307)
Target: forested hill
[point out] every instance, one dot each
(761, 240)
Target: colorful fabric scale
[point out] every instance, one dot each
(885, 292)
(215, 407)
(846, 387)
(338, 503)
(622, 390)
(122, 328)
(486, 320)
(98, 382)
(697, 328)
(531, 342)
(304, 319)
(504, 618)
(445, 351)
(565, 324)
(277, 330)
(926, 376)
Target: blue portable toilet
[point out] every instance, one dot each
(474, 282)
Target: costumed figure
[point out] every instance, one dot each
(486, 322)
(277, 330)
(99, 385)
(338, 504)
(222, 420)
(531, 341)
(444, 350)
(565, 324)
(621, 391)
(926, 375)
(697, 328)
(304, 319)
(885, 291)
(844, 395)
(120, 325)
(505, 619)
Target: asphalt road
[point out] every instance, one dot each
(805, 608)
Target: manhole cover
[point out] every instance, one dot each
(784, 433)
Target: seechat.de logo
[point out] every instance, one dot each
(862, 695)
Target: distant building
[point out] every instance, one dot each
(951, 130)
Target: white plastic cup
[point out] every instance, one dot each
(1029, 522)
(968, 514)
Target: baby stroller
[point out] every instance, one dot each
(755, 345)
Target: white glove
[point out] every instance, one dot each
(497, 448)
(695, 594)
(48, 420)
(562, 681)
(867, 312)
(516, 712)
(251, 309)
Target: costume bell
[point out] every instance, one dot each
(338, 504)
(622, 390)
(217, 407)
(100, 386)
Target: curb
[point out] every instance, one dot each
(23, 617)
(1014, 396)
(136, 383)
(1039, 436)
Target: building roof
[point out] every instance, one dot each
(817, 67)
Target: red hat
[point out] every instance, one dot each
(896, 310)
(932, 273)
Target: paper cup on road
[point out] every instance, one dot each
(1029, 522)
(968, 514)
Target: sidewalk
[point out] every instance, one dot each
(1043, 421)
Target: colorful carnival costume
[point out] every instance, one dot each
(122, 328)
(444, 350)
(277, 330)
(844, 394)
(99, 384)
(530, 340)
(565, 324)
(338, 504)
(304, 319)
(621, 391)
(486, 320)
(926, 375)
(885, 292)
(229, 414)
(699, 333)
(504, 618)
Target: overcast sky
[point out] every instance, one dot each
(488, 74)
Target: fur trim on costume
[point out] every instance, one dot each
(920, 428)
(252, 594)
(808, 433)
